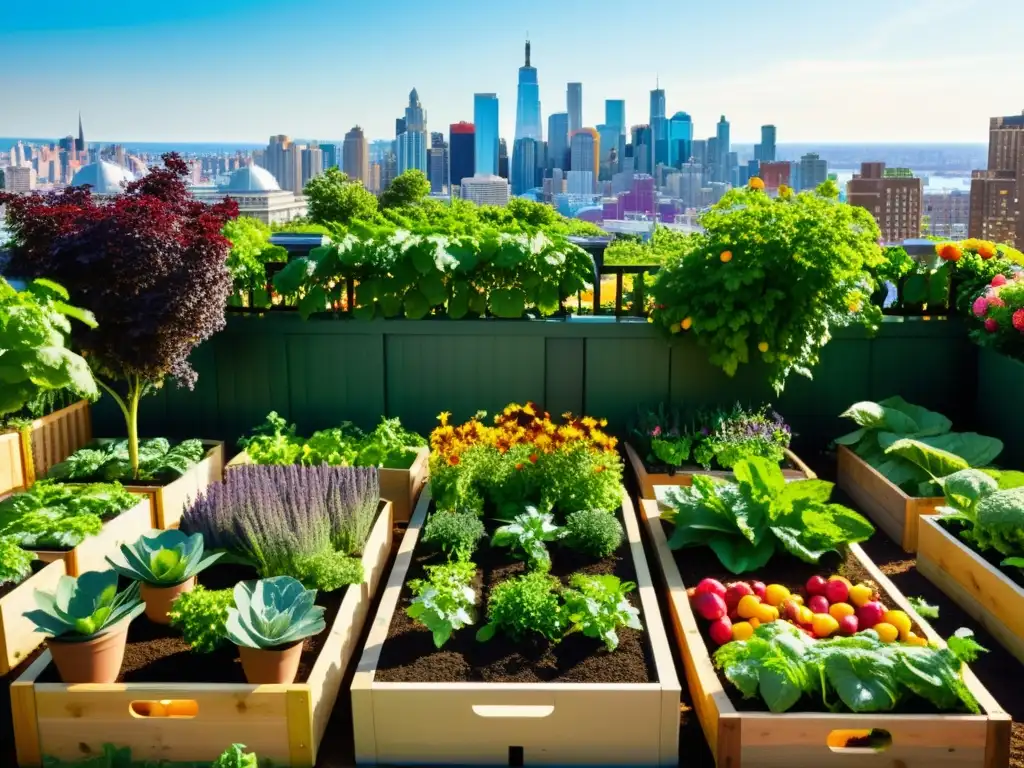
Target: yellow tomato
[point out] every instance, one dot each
(754, 622)
(766, 613)
(748, 605)
(824, 625)
(742, 630)
(900, 620)
(798, 599)
(912, 639)
(763, 346)
(887, 633)
(839, 611)
(860, 594)
(775, 594)
(806, 615)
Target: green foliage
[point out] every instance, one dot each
(333, 198)
(593, 532)
(444, 601)
(747, 522)
(1001, 522)
(327, 571)
(15, 562)
(273, 612)
(455, 532)
(663, 245)
(406, 190)
(163, 558)
(782, 665)
(56, 515)
(524, 606)
(597, 606)
(250, 252)
(159, 462)
(236, 757)
(121, 757)
(796, 268)
(923, 608)
(991, 510)
(84, 607)
(201, 616)
(526, 535)
(34, 325)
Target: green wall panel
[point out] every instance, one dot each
(252, 380)
(564, 371)
(1000, 387)
(622, 375)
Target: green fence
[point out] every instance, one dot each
(322, 371)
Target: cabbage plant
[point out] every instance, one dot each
(270, 613)
(83, 608)
(163, 558)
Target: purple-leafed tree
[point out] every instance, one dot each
(151, 266)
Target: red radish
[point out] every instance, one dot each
(870, 614)
(789, 610)
(759, 588)
(818, 604)
(733, 616)
(721, 631)
(816, 585)
(735, 592)
(713, 586)
(836, 591)
(710, 606)
(848, 625)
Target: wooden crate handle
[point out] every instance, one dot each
(518, 711)
(864, 740)
(179, 709)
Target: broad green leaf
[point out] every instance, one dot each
(293, 276)
(390, 305)
(422, 256)
(852, 438)
(548, 298)
(763, 476)
(416, 304)
(478, 302)
(458, 305)
(364, 311)
(876, 416)
(738, 555)
(803, 490)
(936, 462)
(508, 302)
(315, 300)
(1006, 478)
(866, 682)
(977, 450)
(928, 422)
(968, 484)
(915, 289)
(433, 288)
(779, 691)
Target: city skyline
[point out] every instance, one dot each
(870, 73)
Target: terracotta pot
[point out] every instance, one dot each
(272, 665)
(158, 599)
(92, 661)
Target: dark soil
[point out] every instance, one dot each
(409, 654)
(158, 654)
(992, 557)
(6, 589)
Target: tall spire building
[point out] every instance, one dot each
(80, 142)
(528, 124)
(414, 141)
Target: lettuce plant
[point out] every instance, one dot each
(271, 613)
(455, 532)
(444, 601)
(746, 522)
(524, 606)
(158, 461)
(993, 516)
(61, 515)
(15, 562)
(597, 606)
(235, 756)
(526, 535)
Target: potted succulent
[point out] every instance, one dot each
(268, 622)
(165, 564)
(87, 622)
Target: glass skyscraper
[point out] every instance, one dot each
(574, 104)
(659, 127)
(615, 114)
(485, 118)
(414, 141)
(722, 150)
(528, 106)
(558, 141)
(462, 143)
(680, 139)
(525, 157)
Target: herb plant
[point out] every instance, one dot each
(593, 532)
(444, 601)
(15, 562)
(274, 612)
(782, 666)
(328, 571)
(201, 616)
(158, 461)
(235, 756)
(58, 515)
(163, 558)
(84, 607)
(524, 606)
(455, 532)
(597, 606)
(526, 535)
(747, 522)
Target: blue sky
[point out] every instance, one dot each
(241, 70)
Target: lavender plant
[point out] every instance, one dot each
(282, 517)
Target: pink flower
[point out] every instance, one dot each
(980, 306)
(995, 301)
(991, 325)
(1018, 320)
(656, 431)
(998, 280)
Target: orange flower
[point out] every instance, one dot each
(726, 257)
(755, 183)
(949, 251)
(533, 458)
(986, 250)
(520, 465)
(599, 469)
(453, 460)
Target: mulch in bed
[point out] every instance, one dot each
(409, 655)
(158, 654)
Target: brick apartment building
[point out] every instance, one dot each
(892, 195)
(997, 194)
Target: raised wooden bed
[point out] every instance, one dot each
(401, 487)
(885, 503)
(647, 481)
(189, 722)
(170, 501)
(816, 740)
(979, 587)
(91, 554)
(492, 723)
(53, 437)
(18, 635)
(12, 462)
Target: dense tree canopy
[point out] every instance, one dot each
(333, 198)
(407, 189)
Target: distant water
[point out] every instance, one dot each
(150, 147)
(933, 183)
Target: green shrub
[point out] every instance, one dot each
(454, 532)
(523, 606)
(200, 615)
(593, 532)
(328, 571)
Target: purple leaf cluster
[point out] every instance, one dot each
(276, 516)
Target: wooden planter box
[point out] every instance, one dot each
(684, 476)
(894, 511)
(170, 501)
(91, 554)
(401, 487)
(977, 586)
(18, 636)
(812, 739)
(481, 723)
(54, 438)
(284, 723)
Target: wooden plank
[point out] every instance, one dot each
(26, 733)
(58, 435)
(170, 501)
(981, 589)
(301, 741)
(12, 470)
(18, 635)
(886, 504)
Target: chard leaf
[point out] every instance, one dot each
(778, 689)
(864, 681)
(740, 556)
(936, 462)
(745, 675)
(803, 490)
(764, 478)
(928, 422)
(969, 485)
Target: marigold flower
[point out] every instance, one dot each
(980, 306)
(599, 469)
(1018, 320)
(453, 460)
(986, 250)
(950, 251)
(991, 325)
(755, 183)
(443, 417)
(520, 465)
(998, 280)
(533, 458)
(726, 257)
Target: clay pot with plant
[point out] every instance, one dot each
(87, 622)
(268, 622)
(165, 564)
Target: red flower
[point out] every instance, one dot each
(986, 251)
(520, 465)
(533, 458)
(950, 252)
(998, 280)
(453, 460)
(991, 325)
(1018, 320)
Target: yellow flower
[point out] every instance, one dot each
(687, 323)
(854, 306)
(674, 328)
(763, 346)
(443, 417)
(650, 319)
(755, 183)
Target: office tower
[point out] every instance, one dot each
(574, 106)
(399, 126)
(438, 164)
(19, 179)
(680, 139)
(732, 169)
(330, 155)
(388, 170)
(579, 182)
(712, 154)
(585, 152)
(558, 141)
(997, 194)
(643, 149)
(775, 175)
(283, 159)
(722, 147)
(462, 146)
(312, 163)
(892, 195)
(659, 127)
(690, 183)
(765, 151)
(608, 136)
(615, 114)
(503, 159)
(356, 155)
(525, 159)
(412, 144)
(485, 117)
(485, 189)
(813, 171)
(699, 152)
(528, 104)
(80, 143)
(948, 212)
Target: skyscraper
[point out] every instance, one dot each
(485, 117)
(643, 150)
(765, 151)
(615, 114)
(558, 141)
(438, 162)
(722, 147)
(312, 163)
(813, 171)
(356, 156)
(413, 143)
(503, 159)
(525, 158)
(462, 140)
(585, 148)
(528, 106)
(330, 155)
(609, 159)
(574, 104)
(659, 127)
(680, 139)
(892, 196)
(80, 143)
